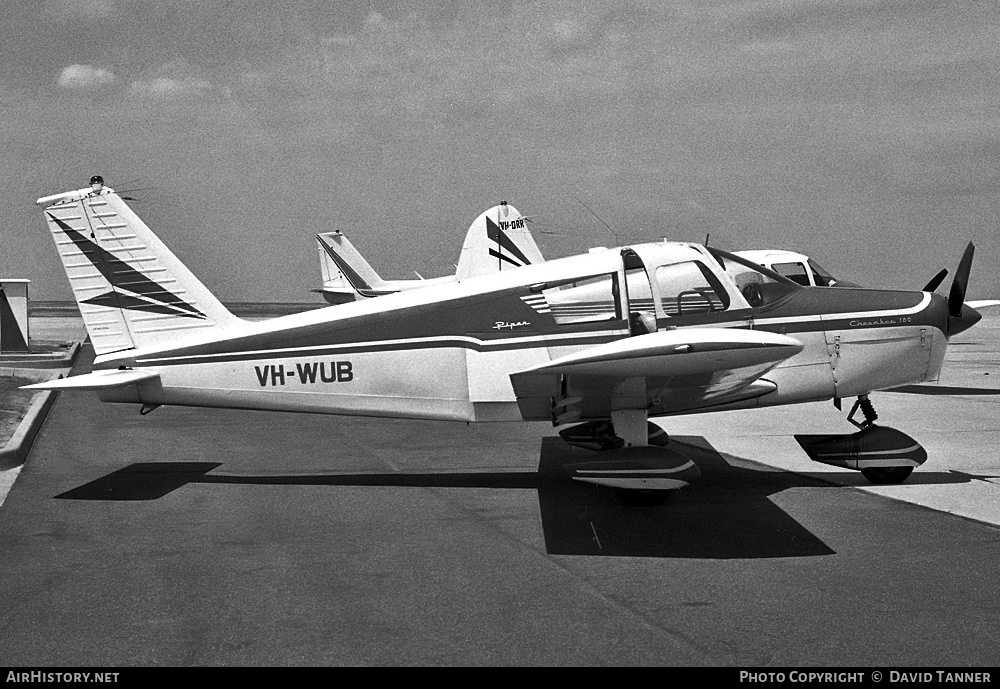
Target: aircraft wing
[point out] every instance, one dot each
(669, 371)
(97, 380)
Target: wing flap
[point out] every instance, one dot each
(97, 380)
(664, 372)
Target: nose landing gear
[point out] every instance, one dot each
(883, 455)
(867, 408)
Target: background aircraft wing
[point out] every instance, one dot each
(664, 372)
(983, 303)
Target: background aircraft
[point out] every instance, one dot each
(339, 260)
(805, 271)
(608, 339)
(795, 266)
(497, 240)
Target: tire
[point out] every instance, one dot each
(881, 476)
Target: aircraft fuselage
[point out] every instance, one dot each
(447, 352)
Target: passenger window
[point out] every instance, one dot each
(584, 301)
(688, 288)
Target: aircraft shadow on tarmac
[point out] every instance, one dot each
(726, 514)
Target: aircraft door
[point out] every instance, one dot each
(641, 306)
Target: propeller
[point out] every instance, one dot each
(961, 316)
(956, 298)
(935, 281)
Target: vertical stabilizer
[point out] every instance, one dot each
(132, 291)
(344, 268)
(11, 338)
(498, 240)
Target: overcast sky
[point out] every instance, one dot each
(862, 132)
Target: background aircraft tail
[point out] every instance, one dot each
(131, 289)
(497, 240)
(345, 270)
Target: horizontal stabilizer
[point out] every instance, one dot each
(98, 380)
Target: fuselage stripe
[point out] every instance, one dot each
(463, 342)
(827, 317)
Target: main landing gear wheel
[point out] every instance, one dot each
(886, 475)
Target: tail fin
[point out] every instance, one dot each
(498, 240)
(131, 290)
(346, 274)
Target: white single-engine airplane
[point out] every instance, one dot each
(497, 240)
(608, 339)
(796, 267)
(488, 248)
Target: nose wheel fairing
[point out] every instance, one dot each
(872, 450)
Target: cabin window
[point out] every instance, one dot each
(586, 300)
(794, 271)
(689, 288)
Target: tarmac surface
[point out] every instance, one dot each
(218, 537)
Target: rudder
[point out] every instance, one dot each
(131, 290)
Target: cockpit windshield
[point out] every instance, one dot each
(822, 275)
(759, 286)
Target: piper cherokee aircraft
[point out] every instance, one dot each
(497, 240)
(491, 246)
(598, 342)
